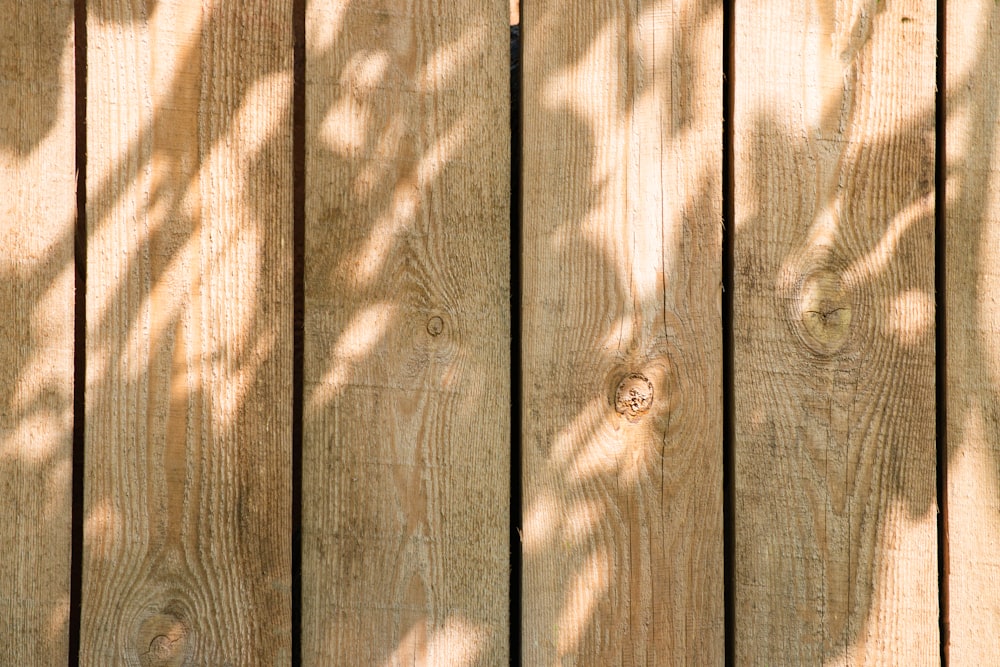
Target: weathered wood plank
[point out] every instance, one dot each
(406, 411)
(187, 532)
(622, 433)
(834, 333)
(37, 222)
(973, 334)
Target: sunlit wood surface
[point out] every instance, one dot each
(622, 402)
(187, 533)
(407, 326)
(37, 219)
(835, 509)
(973, 318)
(179, 393)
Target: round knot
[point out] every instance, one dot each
(824, 311)
(634, 396)
(435, 326)
(163, 647)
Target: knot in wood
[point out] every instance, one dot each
(435, 326)
(162, 647)
(634, 396)
(825, 311)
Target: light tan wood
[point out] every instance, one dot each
(836, 551)
(37, 222)
(187, 555)
(406, 448)
(622, 433)
(973, 320)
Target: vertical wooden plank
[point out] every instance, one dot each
(37, 222)
(973, 329)
(187, 529)
(834, 333)
(406, 363)
(622, 433)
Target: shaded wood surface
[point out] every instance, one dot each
(406, 448)
(834, 333)
(622, 403)
(37, 219)
(189, 334)
(973, 335)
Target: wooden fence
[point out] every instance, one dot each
(283, 383)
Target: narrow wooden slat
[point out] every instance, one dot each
(973, 333)
(835, 505)
(37, 222)
(622, 433)
(187, 531)
(406, 436)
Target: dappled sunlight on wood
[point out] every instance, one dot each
(195, 374)
(622, 223)
(37, 273)
(102, 520)
(878, 263)
(457, 643)
(836, 511)
(910, 317)
(188, 394)
(586, 589)
(406, 367)
(975, 483)
(972, 300)
(360, 337)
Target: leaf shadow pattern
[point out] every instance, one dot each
(621, 279)
(36, 328)
(399, 341)
(406, 427)
(188, 392)
(834, 335)
(973, 383)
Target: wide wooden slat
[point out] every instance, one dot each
(973, 335)
(187, 555)
(37, 220)
(835, 504)
(406, 412)
(622, 404)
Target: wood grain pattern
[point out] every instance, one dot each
(187, 556)
(37, 221)
(622, 361)
(834, 333)
(973, 334)
(406, 415)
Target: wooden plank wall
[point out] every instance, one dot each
(187, 516)
(37, 223)
(835, 515)
(406, 428)
(185, 437)
(973, 329)
(622, 385)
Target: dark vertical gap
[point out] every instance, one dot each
(516, 37)
(728, 410)
(79, 330)
(298, 306)
(941, 314)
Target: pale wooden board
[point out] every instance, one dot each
(623, 540)
(37, 221)
(187, 554)
(406, 411)
(972, 283)
(836, 544)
